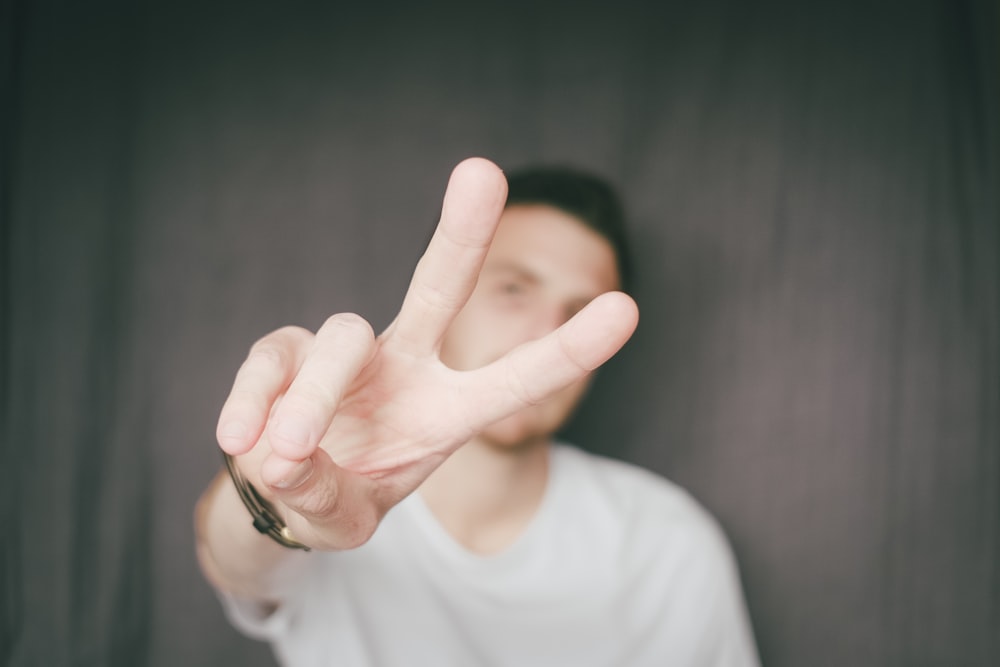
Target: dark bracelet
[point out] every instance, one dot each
(265, 517)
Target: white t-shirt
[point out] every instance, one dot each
(618, 567)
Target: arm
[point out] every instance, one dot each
(338, 426)
(233, 556)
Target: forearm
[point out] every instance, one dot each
(233, 556)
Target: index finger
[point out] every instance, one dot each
(447, 273)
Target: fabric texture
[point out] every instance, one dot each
(813, 191)
(618, 567)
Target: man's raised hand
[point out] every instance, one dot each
(340, 426)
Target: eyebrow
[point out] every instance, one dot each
(512, 267)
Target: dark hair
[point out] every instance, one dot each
(585, 196)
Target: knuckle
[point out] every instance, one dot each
(319, 502)
(292, 332)
(268, 351)
(267, 358)
(341, 522)
(348, 324)
(279, 342)
(439, 299)
(307, 394)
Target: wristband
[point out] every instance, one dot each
(265, 517)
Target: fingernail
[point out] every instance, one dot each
(295, 476)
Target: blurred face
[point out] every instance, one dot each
(543, 267)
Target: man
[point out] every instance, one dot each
(501, 547)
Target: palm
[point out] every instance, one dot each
(401, 417)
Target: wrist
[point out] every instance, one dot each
(264, 516)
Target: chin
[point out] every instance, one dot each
(521, 430)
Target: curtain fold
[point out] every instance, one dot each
(813, 190)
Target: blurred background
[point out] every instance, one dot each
(813, 190)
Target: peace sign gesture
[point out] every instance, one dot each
(340, 425)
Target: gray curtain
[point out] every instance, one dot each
(813, 188)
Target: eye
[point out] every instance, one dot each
(512, 288)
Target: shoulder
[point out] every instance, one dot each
(626, 485)
(652, 512)
(668, 554)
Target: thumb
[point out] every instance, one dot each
(326, 507)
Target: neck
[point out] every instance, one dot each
(486, 494)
